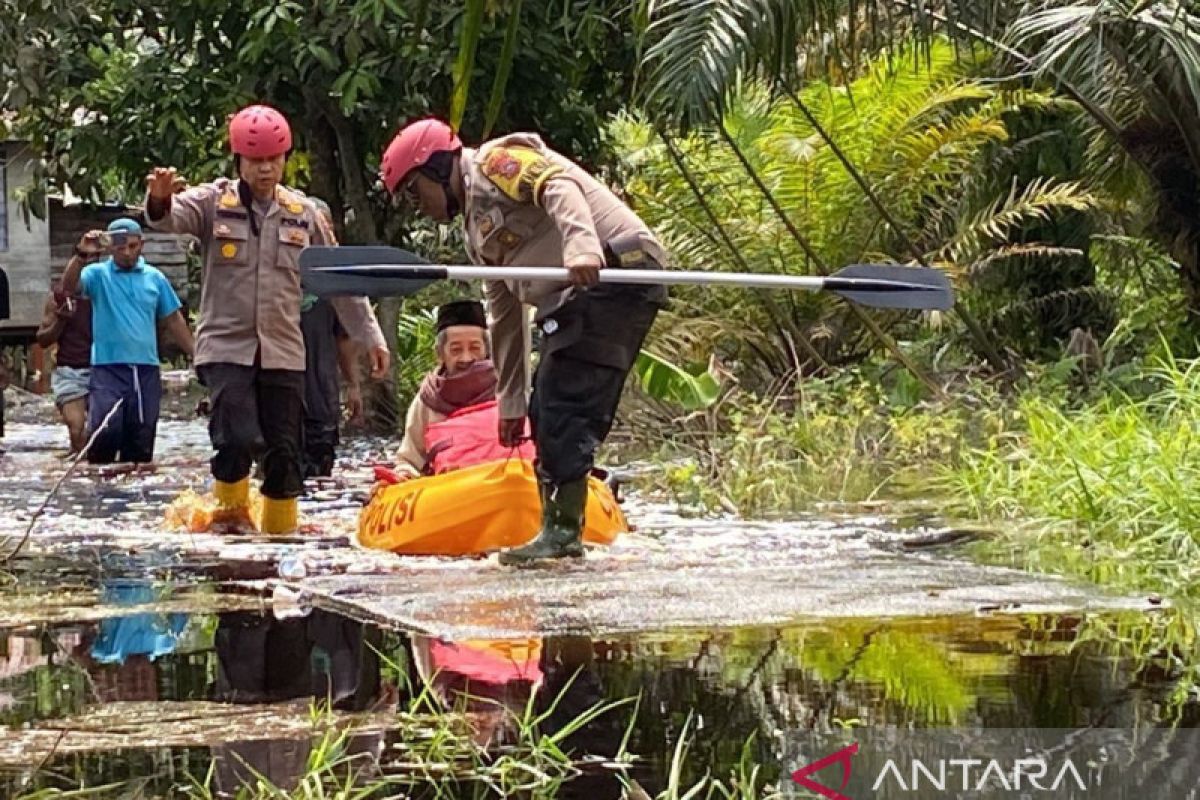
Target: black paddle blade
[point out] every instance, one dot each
(333, 271)
(893, 286)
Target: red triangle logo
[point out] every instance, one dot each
(843, 757)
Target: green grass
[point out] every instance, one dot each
(1107, 491)
(1099, 482)
(841, 440)
(437, 755)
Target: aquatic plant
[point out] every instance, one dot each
(852, 437)
(1106, 490)
(440, 751)
(745, 781)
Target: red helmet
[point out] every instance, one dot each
(259, 132)
(412, 147)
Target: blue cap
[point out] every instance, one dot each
(125, 225)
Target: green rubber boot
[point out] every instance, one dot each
(561, 535)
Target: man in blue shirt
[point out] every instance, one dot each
(129, 300)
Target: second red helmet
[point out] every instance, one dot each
(413, 146)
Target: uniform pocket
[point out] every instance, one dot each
(230, 242)
(292, 240)
(484, 234)
(599, 328)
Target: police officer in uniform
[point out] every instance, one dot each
(329, 350)
(524, 204)
(249, 347)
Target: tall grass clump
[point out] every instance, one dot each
(848, 438)
(1107, 490)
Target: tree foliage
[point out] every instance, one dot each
(921, 132)
(1133, 66)
(108, 89)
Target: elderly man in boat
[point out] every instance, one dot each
(452, 422)
(492, 501)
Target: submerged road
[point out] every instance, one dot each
(129, 651)
(674, 573)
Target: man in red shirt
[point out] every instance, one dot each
(67, 322)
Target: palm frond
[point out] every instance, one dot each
(1091, 307)
(700, 47)
(1115, 50)
(1007, 252)
(1080, 39)
(1035, 202)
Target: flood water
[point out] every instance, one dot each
(157, 697)
(144, 660)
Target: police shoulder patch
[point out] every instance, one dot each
(292, 201)
(325, 231)
(519, 172)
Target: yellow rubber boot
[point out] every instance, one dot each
(279, 516)
(233, 507)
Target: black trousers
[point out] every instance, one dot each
(257, 414)
(262, 659)
(588, 349)
(320, 447)
(322, 392)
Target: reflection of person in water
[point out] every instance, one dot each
(120, 658)
(262, 659)
(151, 635)
(491, 680)
(570, 687)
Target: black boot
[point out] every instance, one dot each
(561, 535)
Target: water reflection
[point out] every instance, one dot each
(261, 659)
(760, 685)
(149, 635)
(491, 680)
(541, 688)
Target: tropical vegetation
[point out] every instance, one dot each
(1044, 154)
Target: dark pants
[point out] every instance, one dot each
(322, 392)
(262, 659)
(320, 448)
(128, 437)
(256, 413)
(585, 359)
(570, 688)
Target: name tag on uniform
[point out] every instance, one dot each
(293, 222)
(225, 214)
(296, 236)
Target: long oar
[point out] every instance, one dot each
(388, 271)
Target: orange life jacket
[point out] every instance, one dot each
(468, 437)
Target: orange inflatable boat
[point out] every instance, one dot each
(474, 510)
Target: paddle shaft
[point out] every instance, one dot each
(639, 276)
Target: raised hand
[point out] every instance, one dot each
(164, 182)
